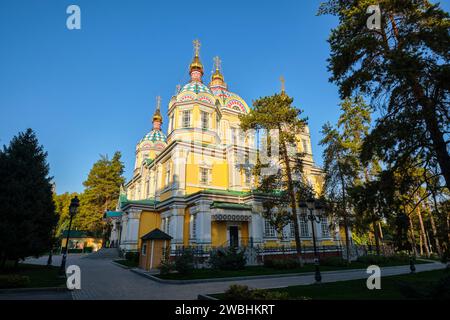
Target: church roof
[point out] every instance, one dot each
(155, 136)
(156, 234)
(196, 87)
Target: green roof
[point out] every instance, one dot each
(77, 234)
(226, 192)
(113, 214)
(147, 202)
(230, 205)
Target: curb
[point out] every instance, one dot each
(120, 265)
(206, 297)
(269, 276)
(19, 290)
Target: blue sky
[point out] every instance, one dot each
(92, 91)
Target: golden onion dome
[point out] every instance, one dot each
(196, 65)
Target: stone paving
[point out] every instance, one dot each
(103, 280)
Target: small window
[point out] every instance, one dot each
(186, 118)
(305, 146)
(205, 120)
(144, 249)
(205, 175)
(304, 230)
(269, 230)
(292, 229)
(324, 226)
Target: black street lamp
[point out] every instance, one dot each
(312, 205)
(73, 208)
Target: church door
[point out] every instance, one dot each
(234, 236)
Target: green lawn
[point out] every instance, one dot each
(357, 289)
(261, 270)
(39, 276)
(127, 263)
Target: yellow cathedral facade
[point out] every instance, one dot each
(187, 182)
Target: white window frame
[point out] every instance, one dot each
(204, 118)
(325, 227)
(186, 118)
(208, 176)
(269, 229)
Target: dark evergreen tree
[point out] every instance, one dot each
(27, 211)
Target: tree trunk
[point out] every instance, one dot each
(420, 244)
(435, 235)
(344, 213)
(422, 232)
(436, 135)
(413, 240)
(298, 244)
(377, 239)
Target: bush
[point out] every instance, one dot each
(380, 260)
(75, 251)
(333, 262)
(88, 249)
(132, 256)
(228, 259)
(13, 281)
(282, 264)
(166, 267)
(240, 292)
(184, 262)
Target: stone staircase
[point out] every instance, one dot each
(105, 253)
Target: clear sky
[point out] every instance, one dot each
(92, 91)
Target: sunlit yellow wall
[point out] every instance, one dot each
(186, 228)
(148, 222)
(244, 232)
(218, 233)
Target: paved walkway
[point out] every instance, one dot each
(100, 280)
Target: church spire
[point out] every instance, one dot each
(196, 67)
(217, 77)
(157, 118)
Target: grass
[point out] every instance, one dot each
(357, 289)
(40, 276)
(127, 263)
(262, 270)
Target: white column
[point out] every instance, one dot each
(203, 212)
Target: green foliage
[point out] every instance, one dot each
(240, 292)
(406, 63)
(62, 203)
(27, 213)
(228, 259)
(184, 261)
(9, 281)
(277, 112)
(166, 266)
(132, 256)
(282, 264)
(383, 260)
(102, 189)
(333, 262)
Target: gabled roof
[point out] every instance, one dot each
(156, 234)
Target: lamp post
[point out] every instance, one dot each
(312, 205)
(73, 208)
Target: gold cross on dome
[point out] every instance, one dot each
(217, 62)
(197, 45)
(283, 84)
(158, 102)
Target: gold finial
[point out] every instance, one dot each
(157, 116)
(283, 84)
(197, 45)
(217, 62)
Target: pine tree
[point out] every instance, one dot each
(277, 113)
(405, 66)
(27, 213)
(102, 188)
